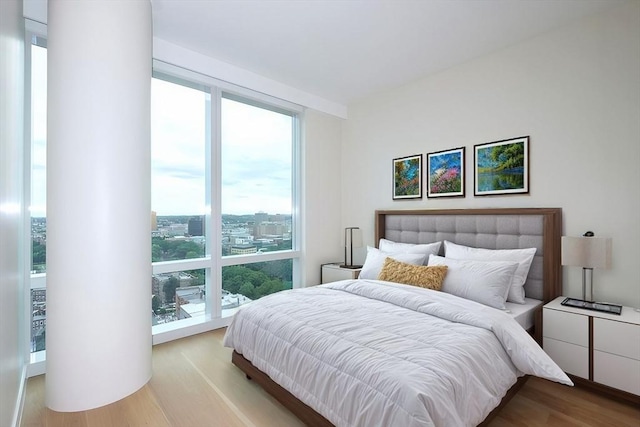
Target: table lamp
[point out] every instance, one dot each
(588, 252)
(352, 239)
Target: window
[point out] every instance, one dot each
(223, 198)
(37, 157)
(180, 137)
(257, 152)
(38, 203)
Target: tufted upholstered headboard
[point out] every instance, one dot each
(508, 228)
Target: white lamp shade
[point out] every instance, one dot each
(586, 252)
(356, 238)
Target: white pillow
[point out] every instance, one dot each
(375, 260)
(486, 282)
(410, 248)
(523, 257)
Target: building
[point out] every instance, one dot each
(38, 318)
(190, 302)
(195, 227)
(270, 229)
(243, 249)
(260, 217)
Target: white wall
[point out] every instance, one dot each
(322, 183)
(12, 339)
(575, 91)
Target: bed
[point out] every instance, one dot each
(356, 352)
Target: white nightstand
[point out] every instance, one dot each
(599, 347)
(333, 273)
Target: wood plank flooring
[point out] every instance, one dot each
(194, 384)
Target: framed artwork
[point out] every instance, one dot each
(407, 177)
(445, 171)
(502, 167)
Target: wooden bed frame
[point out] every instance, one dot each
(552, 288)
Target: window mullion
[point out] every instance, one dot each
(214, 294)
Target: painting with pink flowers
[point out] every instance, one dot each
(445, 171)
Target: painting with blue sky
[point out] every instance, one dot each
(446, 173)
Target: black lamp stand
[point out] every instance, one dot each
(348, 236)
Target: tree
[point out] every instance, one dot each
(198, 277)
(169, 249)
(247, 290)
(156, 252)
(257, 279)
(155, 303)
(510, 156)
(38, 254)
(280, 269)
(169, 289)
(269, 287)
(232, 284)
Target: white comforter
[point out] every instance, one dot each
(373, 353)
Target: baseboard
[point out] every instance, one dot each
(613, 393)
(22, 393)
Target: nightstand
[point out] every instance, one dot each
(333, 273)
(601, 348)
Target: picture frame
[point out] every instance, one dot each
(501, 167)
(445, 173)
(407, 177)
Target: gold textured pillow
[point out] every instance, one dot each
(429, 277)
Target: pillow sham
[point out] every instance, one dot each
(423, 248)
(429, 277)
(375, 259)
(486, 282)
(524, 258)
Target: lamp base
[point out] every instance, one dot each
(351, 267)
(604, 307)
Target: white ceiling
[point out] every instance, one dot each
(343, 50)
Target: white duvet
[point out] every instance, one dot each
(373, 353)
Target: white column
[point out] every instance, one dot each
(98, 202)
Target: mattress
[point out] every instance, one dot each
(367, 352)
(524, 314)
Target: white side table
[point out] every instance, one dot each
(602, 348)
(333, 273)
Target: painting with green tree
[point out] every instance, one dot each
(502, 167)
(407, 177)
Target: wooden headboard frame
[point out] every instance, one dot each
(551, 274)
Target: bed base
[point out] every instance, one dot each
(309, 416)
(288, 400)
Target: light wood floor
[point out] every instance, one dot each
(194, 384)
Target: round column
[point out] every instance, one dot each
(98, 202)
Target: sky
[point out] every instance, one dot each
(38, 131)
(256, 151)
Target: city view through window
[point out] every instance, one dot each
(256, 187)
(181, 294)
